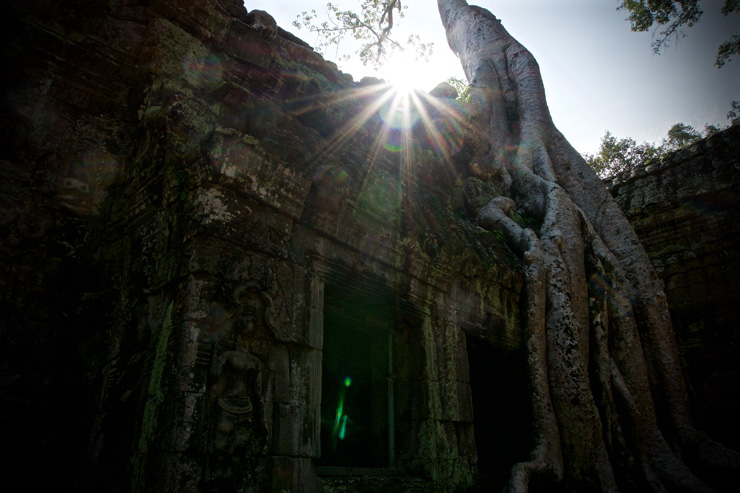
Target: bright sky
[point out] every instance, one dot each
(598, 74)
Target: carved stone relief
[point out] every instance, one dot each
(236, 423)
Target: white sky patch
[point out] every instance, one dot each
(406, 72)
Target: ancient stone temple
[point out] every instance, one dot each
(226, 266)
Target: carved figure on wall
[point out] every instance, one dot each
(237, 424)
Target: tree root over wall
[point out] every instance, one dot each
(604, 365)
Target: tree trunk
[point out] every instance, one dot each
(600, 344)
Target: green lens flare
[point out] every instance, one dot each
(347, 381)
(340, 411)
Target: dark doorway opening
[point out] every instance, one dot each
(356, 381)
(501, 411)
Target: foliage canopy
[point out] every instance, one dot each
(462, 88)
(371, 25)
(673, 16)
(617, 155)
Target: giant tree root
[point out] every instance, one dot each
(597, 323)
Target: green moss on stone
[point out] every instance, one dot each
(155, 397)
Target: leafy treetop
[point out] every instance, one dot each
(371, 25)
(673, 15)
(617, 155)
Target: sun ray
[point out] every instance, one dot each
(399, 116)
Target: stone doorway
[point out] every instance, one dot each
(357, 398)
(501, 410)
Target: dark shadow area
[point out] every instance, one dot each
(501, 410)
(355, 412)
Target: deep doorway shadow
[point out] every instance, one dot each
(501, 411)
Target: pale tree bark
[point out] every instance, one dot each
(601, 349)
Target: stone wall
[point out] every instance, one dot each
(686, 211)
(187, 194)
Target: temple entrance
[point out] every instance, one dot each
(501, 411)
(357, 386)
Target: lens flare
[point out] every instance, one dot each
(398, 113)
(339, 430)
(406, 72)
(400, 122)
(202, 71)
(343, 429)
(603, 289)
(216, 321)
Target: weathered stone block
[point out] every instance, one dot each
(247, 45)
(427, 394)
(280, 366)
(186, 426)
(168, 49)
(287, 429)
(293, 474)
(456, 401)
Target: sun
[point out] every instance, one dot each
(406, 74)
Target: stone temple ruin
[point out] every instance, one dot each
(228, 267)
